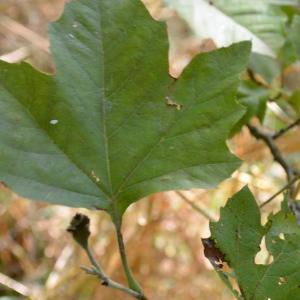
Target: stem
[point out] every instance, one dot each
(291, 174)
(196, 207)
(93, 261)
(286, 129)
(267, 138)
(281, 190)
(106, 281)
(132, 283)
(253, 78)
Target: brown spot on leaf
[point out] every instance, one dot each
(212, 253)
(172, 103)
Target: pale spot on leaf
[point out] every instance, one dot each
(282, 280)
(96, 178)
(53, 122)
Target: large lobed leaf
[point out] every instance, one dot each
(111, 126)
(238, 234)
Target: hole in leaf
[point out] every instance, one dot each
(281, 236)
(263, 257)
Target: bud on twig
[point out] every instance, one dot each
(79, 228)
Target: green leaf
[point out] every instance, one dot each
(238, 234)
(236, 20)
(287, 54)
(290, 52)
(295, 34)
(284, 2)
(111, 126)
(267, 67)
(254, 98)
(294, 101)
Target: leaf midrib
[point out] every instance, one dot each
(102, 99)
(102, 92)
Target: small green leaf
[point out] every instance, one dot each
(267, 67)
(254, 98)
(294, 100)
(295, 34)
(102, 132)
(238, 234)
(290, 52)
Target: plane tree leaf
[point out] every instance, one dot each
(111, 126)
(231, 21)
(238, 235)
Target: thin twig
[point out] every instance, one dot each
(286, 129)
(93, 261)
(275, 98)
(79, 228)
(254, 79)
(196, 207)
(106, 281)
(290, 172)
(267, 138)
(280, 191)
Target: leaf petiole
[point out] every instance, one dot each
(132, 282)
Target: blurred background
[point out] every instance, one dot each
(38, 258)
